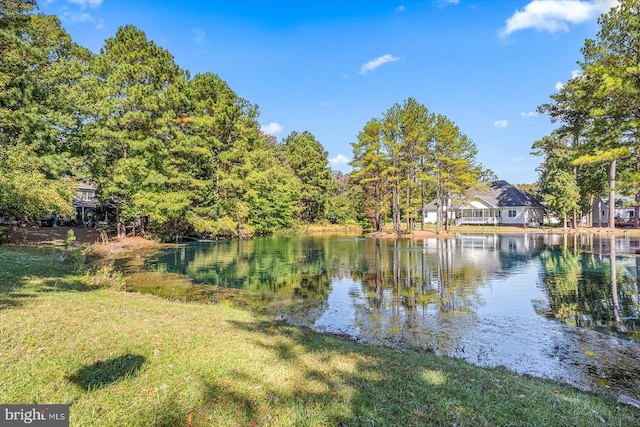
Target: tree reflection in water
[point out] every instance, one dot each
(591, 286)
(558, 306)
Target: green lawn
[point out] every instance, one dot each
(134, 360)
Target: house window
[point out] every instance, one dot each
(499, 214)
(512, 213)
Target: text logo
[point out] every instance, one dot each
(34, 415)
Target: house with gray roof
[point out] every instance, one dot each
(499, 204)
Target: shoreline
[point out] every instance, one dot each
(425, 234)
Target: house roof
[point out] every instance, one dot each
(620, 201)
(499, 194)
(502, 194)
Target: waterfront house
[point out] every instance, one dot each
(497, 204)
(625, 212)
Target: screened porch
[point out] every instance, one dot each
(478, 216)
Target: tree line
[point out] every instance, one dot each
(184, 156)
(408, 157)
(596, 147)
(178, 154)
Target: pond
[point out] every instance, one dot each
(563, 307)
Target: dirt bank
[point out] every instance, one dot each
(102, 243)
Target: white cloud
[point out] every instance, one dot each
(372, 65)
(517, 159)
(340, 159)
(73, 18)
(400, 8)
(574, 74)
(529, 114)
(552, 16)
(329, 104)
(501, 123)
(271, 128)
(86, 3)
(198, 35)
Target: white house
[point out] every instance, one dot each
(625, 212)
(501, 204)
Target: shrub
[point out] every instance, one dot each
(71, 237)
(106, 276)
(76, 258)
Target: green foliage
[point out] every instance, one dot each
(173, 156)
(76, 258)
(557, 182)
(407, 158)
(597, 111)
(128, 140)
(454, 164)
(70, 239)
(340, 210)
(38, 123)
(408, 137)
(25, 192)
(308, 160)
(106, 276)
(369, 163)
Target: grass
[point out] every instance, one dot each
(135, 360)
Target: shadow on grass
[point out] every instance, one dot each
(106, 372)
(377, 386)
(27, 271)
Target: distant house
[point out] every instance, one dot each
(625, 212)
(500, 204)
(85, 203)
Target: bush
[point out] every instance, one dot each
(76, 258)
(71, 237)
(106, 276)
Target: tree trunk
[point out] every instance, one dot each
(599, 211)
(408, 209)
(438, 214)
(396, 210)
(423, 207)
(575, 213)
(121, 230)
(612, 195)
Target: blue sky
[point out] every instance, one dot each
(327, 67)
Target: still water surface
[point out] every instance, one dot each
(553, 306)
